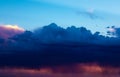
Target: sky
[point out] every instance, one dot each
(95, 15)
(54, 50)
(59, 46)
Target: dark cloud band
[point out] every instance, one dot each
(52, 45)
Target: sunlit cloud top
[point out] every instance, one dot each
(15, 27)
(7, 31)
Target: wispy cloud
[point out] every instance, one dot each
(90, 13)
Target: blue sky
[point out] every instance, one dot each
(30, 14)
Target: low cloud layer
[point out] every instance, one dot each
(76, 70)
(53, 45)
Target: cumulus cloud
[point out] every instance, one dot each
(53, 45)
(58, 34)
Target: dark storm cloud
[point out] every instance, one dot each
(53, 45)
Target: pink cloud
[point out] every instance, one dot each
(77, 70)
(7, 31)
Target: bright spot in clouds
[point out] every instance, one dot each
(111, 30)
(7, 31)
(15, 27)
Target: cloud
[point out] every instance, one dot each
(57, 34)
(1, 40)
(76, 70)
(7, 31)
(89, 13)
(53, 45)
(113, 31)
